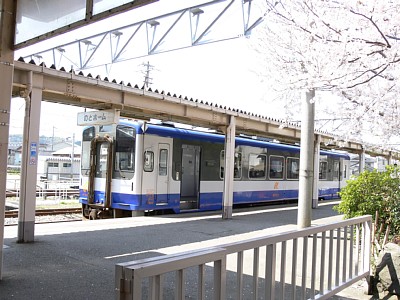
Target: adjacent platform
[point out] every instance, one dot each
(76, 260)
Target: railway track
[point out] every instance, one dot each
(46, 212)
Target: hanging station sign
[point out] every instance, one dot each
(100, 117)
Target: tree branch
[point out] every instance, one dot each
(369, 79)
(393, 37)
(323, 22)
(376, 26)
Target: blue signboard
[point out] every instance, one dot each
(33, 153)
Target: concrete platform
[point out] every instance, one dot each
(76, 260)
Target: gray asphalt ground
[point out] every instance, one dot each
(76, 260)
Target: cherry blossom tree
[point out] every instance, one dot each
(346, 47)
(349, 48)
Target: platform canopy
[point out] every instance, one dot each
(43, 19)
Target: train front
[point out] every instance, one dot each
(108, 183)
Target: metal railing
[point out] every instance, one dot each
(312, 263)
(61, 188)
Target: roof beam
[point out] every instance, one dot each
(74, 89)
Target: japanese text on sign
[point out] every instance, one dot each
(102, 117)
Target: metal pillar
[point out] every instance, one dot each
(306, 161)
(229, 169)
(361, 165)
(30, 148)
(7, 25)
(317, 148)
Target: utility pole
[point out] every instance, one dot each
(72, 156)
(147, 79)
(52, 141)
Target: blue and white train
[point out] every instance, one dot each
(135, 167)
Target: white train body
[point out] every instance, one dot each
(141, 167)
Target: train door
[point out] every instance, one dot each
(343, 172)
(162, 182)
(336, 172)
(190, 180)
(100, 175)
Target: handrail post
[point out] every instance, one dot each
(367, 254)
(220, 279)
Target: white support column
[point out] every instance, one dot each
(7, 25)
(361, 166)
(306, 161)
(317, 148)
(390, 158)
(30, 148)
(229, 169)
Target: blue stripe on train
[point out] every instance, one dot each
(208, 201)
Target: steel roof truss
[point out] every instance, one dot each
(198, 40)
(75, 53)
(93, 50)
(153, 48)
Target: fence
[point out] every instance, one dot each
(312, 263)
(62, 188)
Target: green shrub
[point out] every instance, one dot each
(373, 191)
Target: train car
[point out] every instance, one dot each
(134, 167)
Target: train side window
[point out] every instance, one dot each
(163, 162)
(257, 166)
(336, 170)
(293, 166)
(276, 167)
(237, 169)
(221, 164)
(323, 170)
(87, 135)
(148, 165)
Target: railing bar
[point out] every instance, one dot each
(283, 270)
(239, 275)
(362, 247)
(304, 268)
(256, 261)
(330, 262)
(152, 287)
(344, 266)
(201, 289)
(270, 267)
(294, 268)
(322, 270)
(313, 265)
(128, 288)
(357, 249)
(367, 245)
(137, 287)
(278, 238)
(180, 285)
(156, 287)
(220, 278)
(337, 270)
(161, 287)
(344, 271)
(351, 251)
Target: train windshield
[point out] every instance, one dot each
(124, 152)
